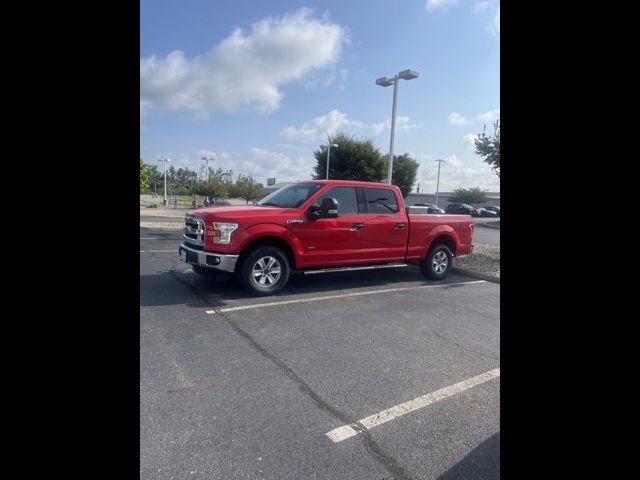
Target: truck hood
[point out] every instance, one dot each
(238, 212)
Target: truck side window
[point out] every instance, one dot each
(346, 197)
(381, 200)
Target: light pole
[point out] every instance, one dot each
(165, 160)
(334, 145)
(206, 159)
(385, 82)
(438, 183)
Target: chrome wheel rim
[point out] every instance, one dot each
(266, 271)
(440, 262)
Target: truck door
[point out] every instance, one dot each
(385, 226)
(334, 241)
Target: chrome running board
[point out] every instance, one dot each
(351, 269)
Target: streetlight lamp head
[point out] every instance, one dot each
(408, 74)
(384, 81)
(334, 145)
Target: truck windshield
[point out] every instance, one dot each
(290, 196)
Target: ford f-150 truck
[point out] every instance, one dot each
(321, 226)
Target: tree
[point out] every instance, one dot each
(247, 188)
(405, 171)
(468, 195)
(219, 184)
(155, 177)
(354, 159)
(489, 147)
(144, 176)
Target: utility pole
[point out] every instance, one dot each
(329, 145)
(165, 160)
(386, 82)
(438, 184)
(206, 175)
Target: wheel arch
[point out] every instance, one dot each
(269, 240)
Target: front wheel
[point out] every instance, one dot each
(264, 271)
(438, 262)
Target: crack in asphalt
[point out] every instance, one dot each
(386, 460)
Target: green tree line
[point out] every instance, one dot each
(184, 181)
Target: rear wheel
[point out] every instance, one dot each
(264, 271)
(438, 262)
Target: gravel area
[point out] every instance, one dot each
(484, 259)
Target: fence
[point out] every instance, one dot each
(151, 200)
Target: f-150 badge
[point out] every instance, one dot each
(295, 220)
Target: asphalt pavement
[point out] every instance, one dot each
(239, 387)
(484, 234)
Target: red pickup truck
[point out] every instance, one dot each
(321, 226)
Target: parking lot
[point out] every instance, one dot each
(358, 375)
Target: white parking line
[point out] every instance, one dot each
(348, 431)
(158, 251)
(330, 297)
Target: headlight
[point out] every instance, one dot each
(222, 232)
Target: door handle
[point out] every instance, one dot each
(357, 226)
(399, 226)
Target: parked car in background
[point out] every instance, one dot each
(431, 208)
(462, 209)
(494, 209)
(485, 212)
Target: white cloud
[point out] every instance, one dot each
(496, 21)
(490, 116)
(319, 127)
(334, 121)
(455, 173)
(481, 7)
(402, 124)
(245, 68)
(258, 162)
(470, 139)
(458, 120)
(454, 161)
(437, 4)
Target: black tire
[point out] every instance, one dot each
(439, 256)
(268, 277)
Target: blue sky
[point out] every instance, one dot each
(257, 84)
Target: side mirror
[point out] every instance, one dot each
(327, 209)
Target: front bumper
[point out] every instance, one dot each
(214, 261)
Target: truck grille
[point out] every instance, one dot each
(194, 230)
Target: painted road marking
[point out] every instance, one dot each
(158, 251)
(331, 297)
(348, 431)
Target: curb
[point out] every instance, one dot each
(162, 225)
(474, 274)
(488, 225)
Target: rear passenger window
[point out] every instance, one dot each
(346, 197)
(381, 200)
